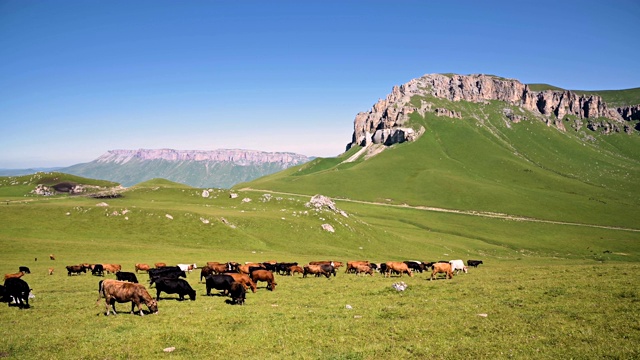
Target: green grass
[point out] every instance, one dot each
(548, 290)
(616, 98)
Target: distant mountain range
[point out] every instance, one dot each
(20, 172)
(221, 168)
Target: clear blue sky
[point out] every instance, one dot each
(79, 78)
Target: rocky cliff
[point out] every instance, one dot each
(386, 122)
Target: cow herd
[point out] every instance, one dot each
(231, 279)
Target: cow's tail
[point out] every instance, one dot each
(100, 292)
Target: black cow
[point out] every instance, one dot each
(219, 282)
(415, 265)
(382, 268)
(17, 290)
(238, 293)
(126, 276)
(174, 286)
(172, 272)
(474, 263)
(76, 269)
(24, 269)
(285, 268)
(269, 266)
(98, 270)
(328, 268)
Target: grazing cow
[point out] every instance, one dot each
(457, 266)
(126, 276)
(221, 268)
(415, 265)
(238, 293)
(335, 264)
(173, 272)
(76, 269)
(366, 269)
(174, 286)
(220, 282)
(266, 276)
(98, 270)
(442, 268)
(18, 290)
(243, 279)
(187, 267)
(270, 265)
(295, 269)
(52, 257)
(112, 268)
(14, 276)
(352, 265)
(121, 291)
(159, 265)
(397, 266)
(142, 267)
(474, 263)
(316, 270)
(50, 271)
(205, 271)
(24, 269)
(284, 268)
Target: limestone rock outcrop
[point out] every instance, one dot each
(386, 122)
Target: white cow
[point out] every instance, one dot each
(187, 267)
(457, 266)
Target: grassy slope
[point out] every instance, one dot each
(539, 283)
(528, 169)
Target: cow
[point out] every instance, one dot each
(243, 279)
(174, 286)
(397, 266)
(238, 293)
(98, 270)
(457, 266)
(24, 269)
(352, 265)
(284, 268)
(14, 276)
(52, 257)
(159, 265)
(221, 268)
(474, 263)
(266, 276)
(142, 267)
(121, 291)
(75, 269)
(126, 276)
(173, 272)
(205, 271)
(220, 282)
(187, 267)
(17, 290)
(335, 264)
(415, 265)
(295, 269)
(112, 268)
(50, 271)
(442, 268)
(316, 270)
(270, 265)
(366, 269)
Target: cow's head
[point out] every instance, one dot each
(153, 306)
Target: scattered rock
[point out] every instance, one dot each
(102, 204)
(205, 193)
(483, 315)
(233, 195)
(348, 307)
(169, 349)
(400, 286)
(328, 228)
(169, 217)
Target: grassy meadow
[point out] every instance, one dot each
(545, 291)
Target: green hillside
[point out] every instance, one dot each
(525, 169)
(613, 98)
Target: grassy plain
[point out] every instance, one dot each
(547, 290)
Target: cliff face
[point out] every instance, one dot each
(386, 119)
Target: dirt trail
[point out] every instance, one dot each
(461, 212)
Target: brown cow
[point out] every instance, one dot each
(17, 275)
(442, 268)
(159, 264)
(50, 271)
(317, 270)
(266, 276)
(52, 257)
(397, 266)
(296, 269)
(205, 271)
(123, 291)
(352, 265)
(366, 269)
(244, 280)
(335, 264)
(220, 268)
(143, 267)
(112, 268)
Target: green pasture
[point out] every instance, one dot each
(545, 291)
